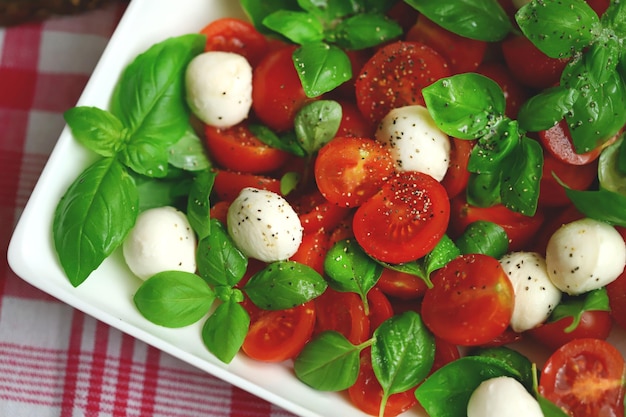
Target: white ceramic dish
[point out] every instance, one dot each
(107, 294)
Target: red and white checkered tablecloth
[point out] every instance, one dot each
(54, 360)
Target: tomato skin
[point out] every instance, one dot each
(558, 142)
(394, 77)
(514, 93)
(403, 221)
(353, 123)
(312, 250)
(278, 335)
(585, 378)
(593, 324)
(219, 211)
(316, 212)
(343, 312)
(577, 177)
(228, 184)
(401, 285)
(380, 308)
(349, 170)
(235, 35)
(471, 301)
(457, 175)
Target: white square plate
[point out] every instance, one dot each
(107, 294)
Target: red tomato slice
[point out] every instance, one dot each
(316, 212)
(558, 142)
(403, 221)
(514, 93)
(349, 170)
(228, 184)
(457, 175)
(471, 301)
(312, 250)
(593, 324)
(585, 377)
(401, 285)
(578, 177)
(278, 335)
(238, 149)
(353, 123)
(394, 77)
(342, 312)
(380, 308)
(235, 35)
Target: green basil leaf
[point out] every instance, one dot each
(162, 192)
(602, 205)
(545, 109)
(483, 20)
(317, 123)
(321, 67)
(603, 58)
(514, 359)
(550, 409)
(96, 129)
(146, 157)
(298, 27)
(559, 28)
(174, 298)
(329, 11)
(198, 205)
(521, 172)
(328, 363)
(188, 153)
(615, 17)
(364, 31)
(289, 182)
(465, 106)
(284, 284)
(445, 251)
(258, 10)
(483, 190)
(94, 217)
(490, 151)
(225, 330)
(287, 142)
(403, 353)
(621, 157)
(575, 306)
(218, 260)
(484, 237)
(611, 176)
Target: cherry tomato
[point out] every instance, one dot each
(585, 377)
(278, 335)
(593, 324)
(353, 123)
(277, 92)
(235, 35)
(403, 221)
(316, 212)
(471, 301)
(558, 142)
(349, 170)
(616, 291)
(599, 6)
(228, 184)
(401, 285)
(219, 211)
(462, 54)
(578, 177)
(343, 312)
(557, 218)
(457, 175)
(394, 77)
(312, 250)
(238, 149)
(514, 93)
(445, 352)
(380, 308)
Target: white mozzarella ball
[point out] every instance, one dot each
(535, 295)
(219, 88)
(414, 141)
(161, 240)
(585, 255)
(264, 226)
(502, 397)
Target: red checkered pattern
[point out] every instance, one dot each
(54, 360)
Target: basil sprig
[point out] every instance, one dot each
(575, 306)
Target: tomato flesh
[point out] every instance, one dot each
(237, 36)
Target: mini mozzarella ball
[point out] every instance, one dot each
(535, 295)
(161, 240)
(502, 397)
(414, 141)
(585, 255)
(219, 88)
(263, 225)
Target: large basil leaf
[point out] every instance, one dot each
(321, 67)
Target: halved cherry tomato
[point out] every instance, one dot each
(278, 335)
(593, 324)
(349, 170)
(342, 312)
(394, 77)
(228, 184)
(316, 212)
(219, 211)
(445, 352)
(403, 221)
(380, 308)
(238, 149)
(471, 301)
(312, 250)
(235, 35)
(457, 175)
(578, 177)
(585, 377)
(514, 93)
(401, 285)
(558, 142)
(353, 123)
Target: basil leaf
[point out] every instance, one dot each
(321, 67)
(603, 57)
(465, 106)
(328, 363)
(94, 217)
(188, 153)
(483, 20)
(521, 172)
(602, 205)
(514, 359)
(364, 31)
(559, 28)
(96, 129)
(317, 123)
(483, 190)
(330, 10)
(545, 109)
(298, 27)
(287, 142)
(225, 330)
(403, 353)
(162, 192)
(491, 151)
(174, 298)
(615, 17)
(258, 10)
(284, 284)
(445, 251)
(198, 205)
(611, 177)
(218, 260)
(575, 306)
(484, 237)
(550, 409)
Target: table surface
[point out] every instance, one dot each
(54, 360)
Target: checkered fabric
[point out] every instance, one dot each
(54, 360)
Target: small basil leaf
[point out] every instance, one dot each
(96, 129)
(329, 10)
(284, 284)
(321, 67)
(146, 157)
(289, 182)
(174, 298)
(225, 330)
(520, 178)
(328, 363)
(188, 153)
(364, 31)
(218, 260)
(94, 217)
(484, 237)
(287, 142)
(575, 306)
(198, 205)
(611, 177)
(298, 27)
(550, 409)
(602, 205)
(483, 190)
(259, 10)
(317, 123)
(445, 251)
(545, 109)
(162, 192)
(513, 358)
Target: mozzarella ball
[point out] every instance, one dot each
(219, 88)
(535, 295)
(414, 141)
(502, 397)
(161, 240)
(585, 255)
(264, 226)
